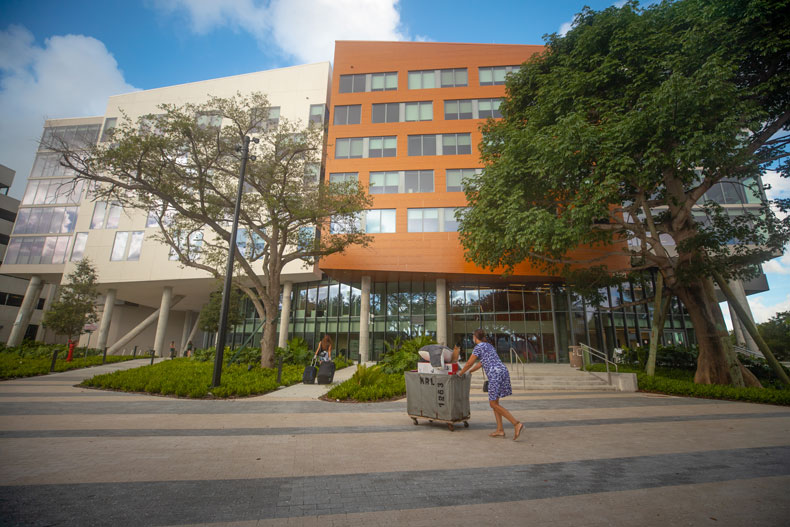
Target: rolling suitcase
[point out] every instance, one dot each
(308, 377)
(326, 372)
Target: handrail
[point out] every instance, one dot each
(599, 355)
(519, 365)
(746, 351)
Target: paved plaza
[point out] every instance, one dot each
(71, 456)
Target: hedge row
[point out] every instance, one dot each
(680, 382)
(187, 378)
(13, 366)
(369, 384)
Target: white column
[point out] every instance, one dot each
(25, 311)
(364, 321)
(740, 295)
(441, 311)
(182, 349)
(285, 314)
(52, 291)
(736, 326)
(139, 328)
(106, 317)
(164, 317)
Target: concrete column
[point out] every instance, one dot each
(117, 347)
(441, 311)
(106, 317)
(736, 326)
(25, 312)
(164, 317)
(364, 321)
(185, 332)
(285, 314)
(52, 292)
(740, 295)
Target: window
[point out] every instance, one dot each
(312, 173)
(316, 114)
(459, 144)
(100, 210)
(419, 111)
(432, 220)
(191, 244)
(52, 191)
(383, 147)
(380, 221)
(37, 250)
(265, 118)
(113, 216)
(385, 113)
(418, 181)
(48, 166)
(422, 80)
(274, 117)
(458, 110)
(345, 224)
(80, 136)
(348, 148)
(495, 75)
(77, 251)
(109, 126)
(489, 108)
(402, 181)
(127, 246)
(348, 114)
(422, 145)
(45, 220)
(455, 177)
(368, 82)
(384, 182)
(343, 177)
(204, 120)
(454, 78)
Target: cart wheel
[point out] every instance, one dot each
(415, 421)
(430, 420)
(451, 426)
(466, 424)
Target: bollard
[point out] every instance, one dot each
(104, 356)
(54, 358)
(153, 354)
(134, 353)
(279, 370)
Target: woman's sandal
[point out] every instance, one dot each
(517, 430)
(497, 434)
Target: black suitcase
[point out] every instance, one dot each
(326, 372)
(308, 377)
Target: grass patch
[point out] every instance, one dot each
(681, 382)
(187, 378)
(13, 366)
(368, 385)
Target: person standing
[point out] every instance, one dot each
(498, 382)
(189, 348)
(324, 350)
(172, 349)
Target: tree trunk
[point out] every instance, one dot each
(717, 363)
(660, 307)
(268, 341)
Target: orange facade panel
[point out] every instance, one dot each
(403, 251)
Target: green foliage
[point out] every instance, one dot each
(186, 378)
(674, 357)
(75, 306)
(369, 384)
(209, 315)
(296, 351)
(402, 355)
(762, 370)
(27, 363)
(681, 382)
(776, 334)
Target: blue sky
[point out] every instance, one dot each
(64, 58)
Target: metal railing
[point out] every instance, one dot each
(587, 352)
(746, 351)
(518, 366)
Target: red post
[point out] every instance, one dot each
(71, 350)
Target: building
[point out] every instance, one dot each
(404, 121)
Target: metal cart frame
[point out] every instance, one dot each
(438, 397)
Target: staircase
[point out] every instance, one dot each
(548, 377)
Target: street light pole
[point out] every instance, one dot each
(223, 312)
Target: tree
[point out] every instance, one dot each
(182, 165)
(209, 315)
(776, 333)
(75, 306)
(616, 136)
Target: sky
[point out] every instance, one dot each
(65, 58)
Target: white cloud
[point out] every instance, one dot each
(303, 29)
(70, 76)
(762, 311)
(564, 28)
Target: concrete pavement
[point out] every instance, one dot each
(71, 456)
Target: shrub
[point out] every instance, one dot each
(403, 356)
(369, 384)
(296, 351)
(187, 378)
(14, 364)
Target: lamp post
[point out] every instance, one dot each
(223, 312)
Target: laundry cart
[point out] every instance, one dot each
(438, 397)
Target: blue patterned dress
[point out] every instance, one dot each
(498, 376)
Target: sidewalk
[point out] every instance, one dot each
(74, 457)
(303, 391)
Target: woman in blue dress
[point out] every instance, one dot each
(498, 382)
